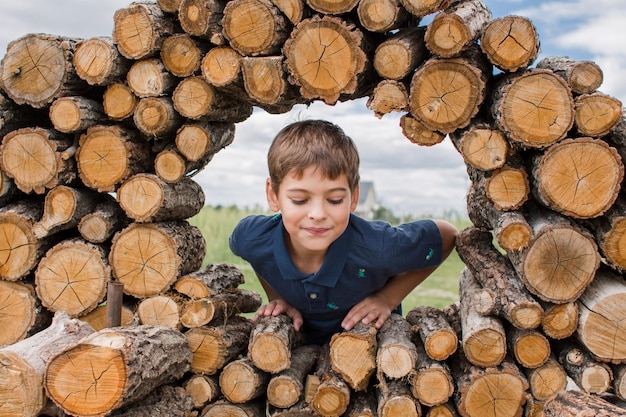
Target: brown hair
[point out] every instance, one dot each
(316, 143)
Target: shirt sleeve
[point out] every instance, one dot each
(414, 245)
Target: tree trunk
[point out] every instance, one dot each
(286, 388)
(24, 365)
(353, 355)
(583, 77)
(439, 339)
(98, 61)
(140, 29)
(510, 42)
(130, 361)
(148, 258)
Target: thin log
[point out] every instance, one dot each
(439, 339)
(140, 29)
(353, 355)
(98, 61)
(510, 42)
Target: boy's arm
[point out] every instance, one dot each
(277, 305)
(378, 307)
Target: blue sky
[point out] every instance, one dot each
(408, 178)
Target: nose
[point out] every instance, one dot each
(317, 210)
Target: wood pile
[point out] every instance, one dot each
(101, 138)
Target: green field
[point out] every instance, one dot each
(216, 224)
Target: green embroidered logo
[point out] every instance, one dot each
(361, 273)
(332, 305)
(431, 252)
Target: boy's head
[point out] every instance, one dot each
(317, 143)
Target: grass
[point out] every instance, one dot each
(216, 224)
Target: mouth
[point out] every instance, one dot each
(316, 231)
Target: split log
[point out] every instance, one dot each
(241, 381)
(149, 77)
(165, 399)
(160, 310)
(580, 177)
(140, 29)
(439, 339)
(400, 54)
(49, 162)
(583, 77)
(601, 322)
(381, 16)
(530, 348)
(215, 346)
(24, 364)
(287, 387)
(254, 27)
(196, 99)
(147, 258)
(37, 69)
(481, 146)
(395, 399)
(416, 132)
(510, 42)
(431, 382)
(446, 93)
(75, 113)
(72, 277)
(271, 342)
(204, 389)
(210, 280)
(596, 114)
(108, 155)
(573, 403)
(560, 320)
(21, 312)
(203, 19)
(388, 96)
(535, 108)
(483, 337)
(119, 101)
(547, 380)
(147, 198)
(332, 396)
(325, 57)
(105, 219)
(457, 27)
(353, 355)
(130, 361)
(591, 376)
(156, 116)
(98, 61)
(182, 54)
(397, 355)
(561, 259)
(494, 271)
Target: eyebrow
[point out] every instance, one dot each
(327, 191)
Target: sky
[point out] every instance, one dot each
(408, 179)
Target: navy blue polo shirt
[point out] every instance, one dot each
(358, 263)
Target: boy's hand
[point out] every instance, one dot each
(373, 309)
(280, 306)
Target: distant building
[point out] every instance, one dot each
(368, 203)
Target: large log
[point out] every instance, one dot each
(20, 311)
(353, 355)
(569, 403)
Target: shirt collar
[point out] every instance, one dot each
(328, 274)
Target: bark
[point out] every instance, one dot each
(576, 403)
(583, 77)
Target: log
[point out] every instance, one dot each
(170, 166)
(325, 57)
(619, 381)
(97, 317)
(601, 321)
(199, 142)
(560, 320)
(293, 9)
(108, 155)
(332, 396)
(591, 376)
(156, 116)
(254, 27)
(221, 67)
(98, 61)
(286, 388)
(422, 8)
(332, 7)
(222, 408)
(265, 81)
(24, 364)
(388, 96)
(160, 310)
(241, 381)
(530, 348)
(575, 403)
(140, 29)
(169, 399)
(130, 361)
(431, 382)
(203, 19)
(561, 259)
(547, 380)
(20, 300)
(511, 43)
(119, 101)
(48, 164)
(353, 355)
(381, 16)
(583, 77)
(482, 146)
(535, 108)
(416, 132)
(397, 355)
(271, 343)
(507, 188)
(37, 68)
(204, 389)
(439, 339)
(182, 54)
(395, 399)
(362, 404)
(443, 410)
(596, 114)
(461, 81)
(400, 54)
(147, 198)
(73, 277)
(579, 178)
(149, 77)
(215, 346)
(212, 279)
(105, 219)
(148, 258)
(169, 6)
(517, 305)
(457, 27)
(75, 113)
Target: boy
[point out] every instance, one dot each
(320, 264)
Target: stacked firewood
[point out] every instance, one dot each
(101, 138)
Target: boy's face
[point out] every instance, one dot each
(315, 209)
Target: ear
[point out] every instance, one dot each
(272, 197)
(354, 199)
